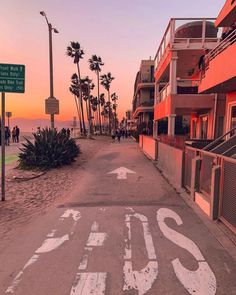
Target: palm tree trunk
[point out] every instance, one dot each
(81, 101)
(90, 117)
(99, 110)
(78, 111)
(109, 111)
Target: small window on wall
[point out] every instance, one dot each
(233, 119)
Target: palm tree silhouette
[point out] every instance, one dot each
(106, 80)
(95, 63)
(76, 53)
(114, 99)
(74, 89)
(86, 86)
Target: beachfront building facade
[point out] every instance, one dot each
(143, 99)
(220, 72)
(179, 108)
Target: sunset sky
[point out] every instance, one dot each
(122, 32)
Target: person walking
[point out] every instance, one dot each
(17, 133)
(7, 135)
(13, 134)
(118, 135)
(113, 135)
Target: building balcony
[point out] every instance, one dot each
(185, 34)
(227, 15)
(182, 104)
(145, 107)
(220, 71)
(184, 86)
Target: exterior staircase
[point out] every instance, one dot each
(224, 145)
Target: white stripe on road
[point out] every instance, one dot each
(52, 244)
(94, 226)
(96, 239)
(48, 245)
(89, 283)
(142, 280)
(199, 282)
(73, 213)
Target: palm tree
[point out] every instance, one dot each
(114, 98)
(74, 51)
(74, 90)
(86, 86)
(106, 80)
(102, 103)
(95, 63)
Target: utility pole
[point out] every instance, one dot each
(52, 104)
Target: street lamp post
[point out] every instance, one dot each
(50, 30)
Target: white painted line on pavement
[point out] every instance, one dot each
(32, 260)
(96, 239)
(121, 172)
(199, 282)
(142, 280)
(52, 244)
(89, 283)
(84, 263)
(94, 227)
(74, 214)
(52, 234)
(48, 245)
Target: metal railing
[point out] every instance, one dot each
(228, 192)
(227, 182)
(225, 43)
(163, 94)
(218, 140)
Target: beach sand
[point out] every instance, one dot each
(27, 197)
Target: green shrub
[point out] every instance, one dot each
(50, 149)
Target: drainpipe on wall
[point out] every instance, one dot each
(214, 116)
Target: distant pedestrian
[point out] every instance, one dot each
(118, 135)
(113, 135)
(126, 133)
(7, 135)
(13, 134)
(17, 133)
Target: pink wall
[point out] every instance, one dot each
(150, 147)
(221, 69)
(226, 15)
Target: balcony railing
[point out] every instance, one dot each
(184, 86)
(224, 44)
(186, 31)
(163, 93)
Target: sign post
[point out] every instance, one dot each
(8, 115)
(3, 147)
(12, 79)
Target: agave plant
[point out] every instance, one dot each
(50, 149)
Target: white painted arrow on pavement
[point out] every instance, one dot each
(121, 172)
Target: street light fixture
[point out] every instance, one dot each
(50, 30)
